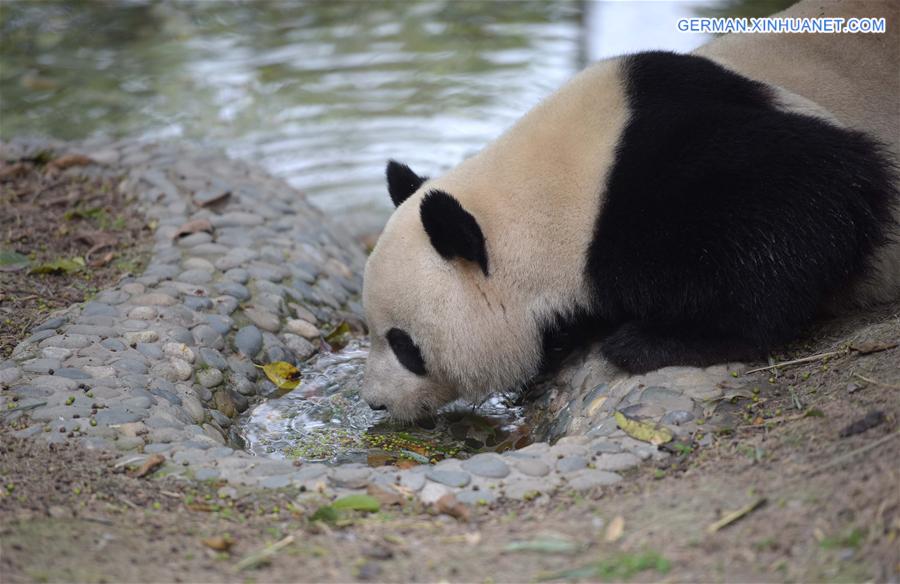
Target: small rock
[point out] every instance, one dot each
(142, 313)
(302, 328)
(179, 350)
(590, 478)
(264, 320)
(569, 464)
(133, 338)
(206, 336)
(154, 299)
(248, 341)
(451, 478)
(486, 465)
(209, 378)
(350, 477)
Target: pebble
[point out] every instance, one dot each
(198, 303)
(221, 324)
(133, 338)
(41, 365)
(569, 464)
(350, 477)
(178, 350)
(50, 324)
(248, 341)
(225, 305)
(233, 289)
(113, 345)
(206, 336)
(209, 378)
(486, 465)
(618, 461)
(451, 478)
(302, 328)
(150, 350)
(262, 319)
(212, 358)
(154, 299)
(532, 467)
(302, 348)
(591, 478)
(56, 353)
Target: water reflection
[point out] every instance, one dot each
(319, 92)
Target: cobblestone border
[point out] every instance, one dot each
(160, 363)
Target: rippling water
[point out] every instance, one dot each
(321, 93)
(325, 420)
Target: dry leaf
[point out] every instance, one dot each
(13, 170)
(448, 505)
(282, 374)
(195, 226)
(218, 543)
(643, 431)
(69, 160)
(615, 529)
(150, 465)
(866, 347)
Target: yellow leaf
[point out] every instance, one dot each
(643, 431)
(615, 529)
(282, 374)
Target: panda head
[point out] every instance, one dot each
(431, 305)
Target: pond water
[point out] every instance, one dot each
(325, 420)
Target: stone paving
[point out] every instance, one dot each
(244, 268)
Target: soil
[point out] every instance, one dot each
(74, 235)
(820, 498)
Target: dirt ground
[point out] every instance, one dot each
(62, 238)
(821, 501)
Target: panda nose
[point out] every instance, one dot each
(379, 407)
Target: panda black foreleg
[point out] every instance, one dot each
(638, 347)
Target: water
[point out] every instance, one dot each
(325, 420)
(320, 93)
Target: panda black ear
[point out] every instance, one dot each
(402, 181)
(453, 231)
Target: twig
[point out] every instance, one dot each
(845, 457)
(264, 554)
(876, 382)
(735, 515)
(798, 361)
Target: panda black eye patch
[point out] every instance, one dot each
(406, 351)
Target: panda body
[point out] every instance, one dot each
(688, 213)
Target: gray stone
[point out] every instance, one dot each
(42, 366)
(569, 464)
(114, 416)
(482, 497)
(90, 330)
(71, 373)
(50, 324)
(225, 305)
(234, 290)
(206, 336)
(113, 345)
(264, 271)
(235, 258)
(154, 299)
(350, 477)
(677, 417)
(262, 319)
(212, 358)
(130, 365)
(56, 353)
(590, 478)
(198, 303)
(275, 482)
(9, 375)
(236, 219)
(310, 471)
(302, 348)
(605, 447)
(239, 275)
(532, 467)
(451, 478)
(221, 324)
(248, 341)
(40, 336)
(618, 461)
(206, 474)
(99, 308)
(195, 276)
(209, 378)
(150, 350)
(113, 297)
(486, 465)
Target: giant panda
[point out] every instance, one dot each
(692, 209)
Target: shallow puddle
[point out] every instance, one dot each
(325, 420)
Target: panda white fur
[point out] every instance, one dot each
(691, 209)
